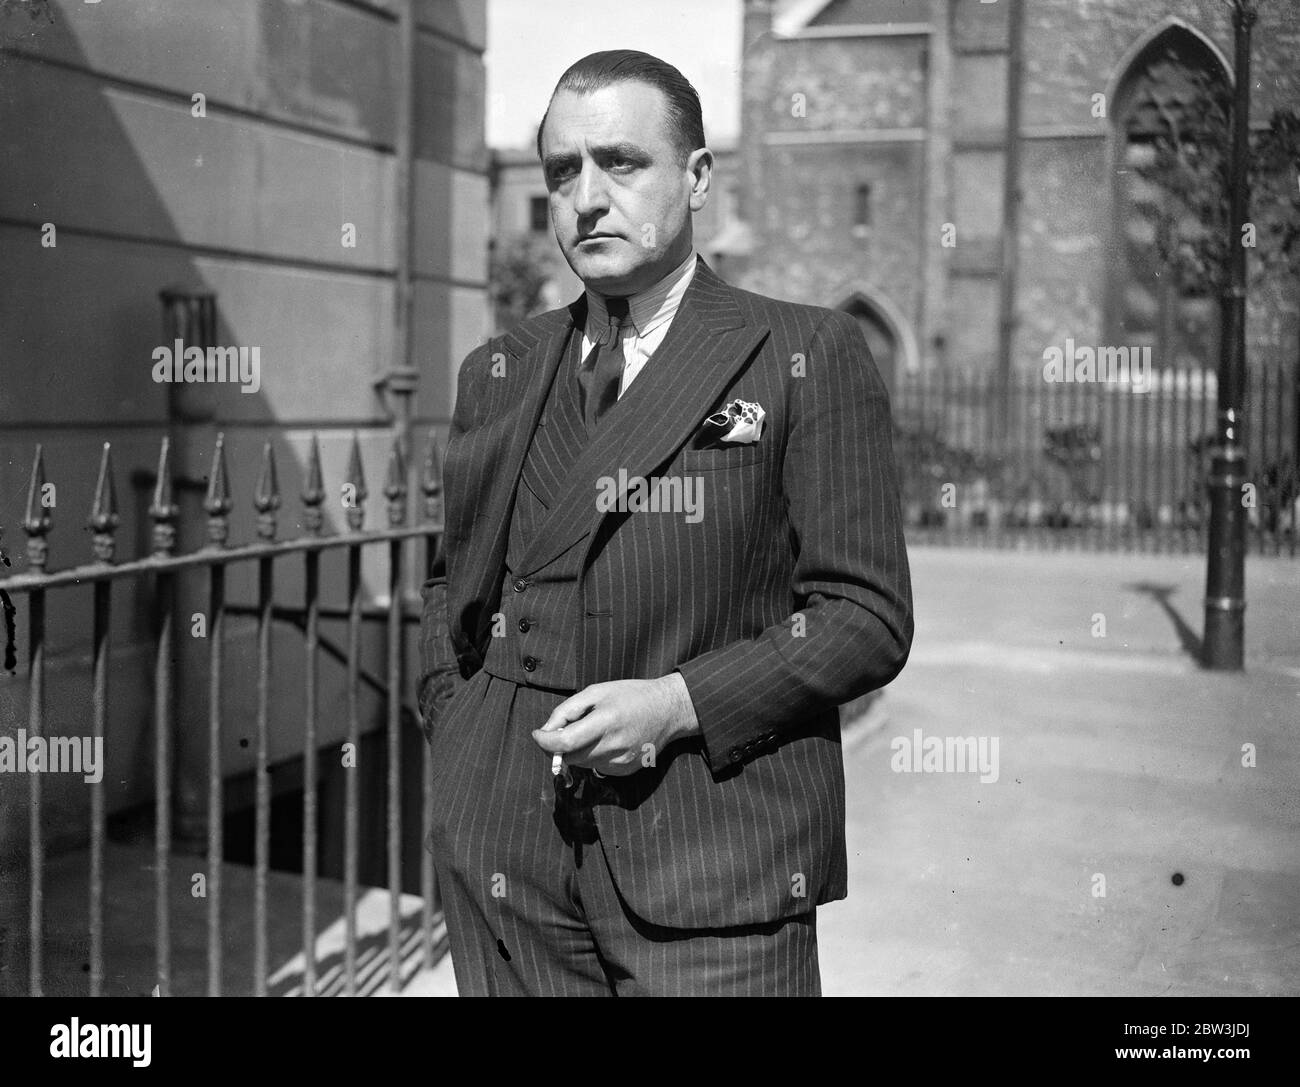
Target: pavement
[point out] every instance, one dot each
(1127, 846)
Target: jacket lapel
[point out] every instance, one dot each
(706, 345)
(560, 436)
(539, 348)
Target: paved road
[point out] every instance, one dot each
(1119, 760)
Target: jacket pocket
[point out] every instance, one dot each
(723, 456)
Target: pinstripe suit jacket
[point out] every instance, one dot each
(790, 597)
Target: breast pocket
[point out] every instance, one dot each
(723, 456)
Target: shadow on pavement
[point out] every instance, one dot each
(1187, 637)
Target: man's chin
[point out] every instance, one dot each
(600, 271)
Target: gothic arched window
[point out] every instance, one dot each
(1170, 122)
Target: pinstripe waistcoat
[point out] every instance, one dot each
(535, 642)
(788, 597)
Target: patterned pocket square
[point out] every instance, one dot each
(740, 422)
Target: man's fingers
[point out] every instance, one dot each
(562, 741)
(571, 709)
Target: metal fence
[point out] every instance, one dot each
(1093, 465)
(164, 567)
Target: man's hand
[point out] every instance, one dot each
(621, 726)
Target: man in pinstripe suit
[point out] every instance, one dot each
(681, 671)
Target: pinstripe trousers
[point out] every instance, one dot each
(530, 903)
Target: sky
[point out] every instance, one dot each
(531, 42)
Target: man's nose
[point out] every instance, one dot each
(590, 197)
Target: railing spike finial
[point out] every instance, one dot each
(355, 493)
(36, 520)
(163, 510)
(313, 493)
(431, 480)
(103, 511)
(266, 496)
(395, 486)
(217, 503)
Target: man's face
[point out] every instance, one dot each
(621, 198)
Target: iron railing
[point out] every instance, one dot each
(1095, 465)
(164, 566)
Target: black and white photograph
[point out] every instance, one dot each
(653, 498)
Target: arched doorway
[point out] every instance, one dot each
(1168, 113)
(890, 347)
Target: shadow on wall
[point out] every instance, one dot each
(132, 183)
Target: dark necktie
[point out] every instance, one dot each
(603, 369)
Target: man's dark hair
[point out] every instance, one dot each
(599, 70)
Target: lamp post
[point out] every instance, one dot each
(1225, 579)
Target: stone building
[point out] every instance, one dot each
(318, 167)
(960, 174)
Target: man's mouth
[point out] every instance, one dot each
(597, 237)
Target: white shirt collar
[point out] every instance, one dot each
(650, 308)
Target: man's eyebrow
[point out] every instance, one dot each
(624, 148)
(558, 158)
(621, 149)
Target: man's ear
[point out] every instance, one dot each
(700, 166)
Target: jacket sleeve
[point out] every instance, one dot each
(440, 676)
(851, 629)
